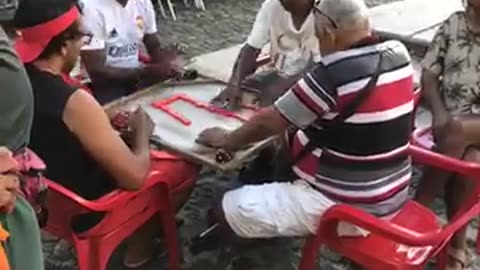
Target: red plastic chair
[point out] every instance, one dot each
(424, 138)
(124, 213)
(414, 226)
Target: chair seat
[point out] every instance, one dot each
(375, 249)
(423, 138)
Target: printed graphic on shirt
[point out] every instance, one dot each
(140, 22)
(122, 51)
(113, 33)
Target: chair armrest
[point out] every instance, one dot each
(427, 157)
(386, 229)
(111, 200)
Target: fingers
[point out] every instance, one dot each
(205, 137)
(9, 182)
(7, 201)
(7, 162)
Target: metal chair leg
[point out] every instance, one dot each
(200, 4)
(162, 9)
(172, 11)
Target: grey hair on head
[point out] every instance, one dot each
(345, 13)
(7, 10)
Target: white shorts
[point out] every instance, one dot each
(278, 210)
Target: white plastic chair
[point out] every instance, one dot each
(198, 4)
(170, 8)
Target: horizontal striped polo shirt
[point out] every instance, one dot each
(365, 162)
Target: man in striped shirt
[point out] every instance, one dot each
(363, 163)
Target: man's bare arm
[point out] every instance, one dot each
(97, 69)
(430, 92)
(268, 122)
(154, 48)
(245, 65)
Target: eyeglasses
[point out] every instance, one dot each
(85, 36)
(330, 20)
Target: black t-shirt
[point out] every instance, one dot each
(68, 163)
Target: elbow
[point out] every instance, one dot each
(270, 122)
(429, 79)
(137, 179)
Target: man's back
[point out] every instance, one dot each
(365, 162)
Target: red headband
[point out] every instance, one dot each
(33, 40)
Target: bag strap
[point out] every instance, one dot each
(348, 111)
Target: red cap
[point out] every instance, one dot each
(33, 40)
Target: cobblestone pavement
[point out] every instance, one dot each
(225, 23)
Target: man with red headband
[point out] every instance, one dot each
(120, 28)
(72, 132)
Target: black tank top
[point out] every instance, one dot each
(68, 163)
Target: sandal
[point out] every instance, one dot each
(462, 258)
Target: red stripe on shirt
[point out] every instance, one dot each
(384, 97)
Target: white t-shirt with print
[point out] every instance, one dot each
(291, 49)
(119, 30)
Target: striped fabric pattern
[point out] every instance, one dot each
(366, 162)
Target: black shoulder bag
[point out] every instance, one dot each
(317, 138)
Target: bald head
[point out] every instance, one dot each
(346, 14)
(340, 24)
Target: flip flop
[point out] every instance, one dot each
(462, 258)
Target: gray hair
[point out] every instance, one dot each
(345, 13)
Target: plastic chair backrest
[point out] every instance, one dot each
(331, 218)
(127, 202)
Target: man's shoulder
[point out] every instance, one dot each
(95, 6)
(271, 6)
(393, 48)
(140, 7)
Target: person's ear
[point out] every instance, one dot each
(330, 35)
(64, 49)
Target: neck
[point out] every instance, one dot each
(122, 2)
(353, 38)
(474, 15)
(345, 42)
(51, 65)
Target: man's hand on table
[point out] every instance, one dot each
(9, 181)
(230, 97)
(213, 137)
(141, 122)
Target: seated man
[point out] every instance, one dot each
(451, 89)
(71, 131)
(364, 160)
(111, 58)
(288, 26)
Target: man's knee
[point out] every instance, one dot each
(472, 154)
(216, 215)
(453, 136)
